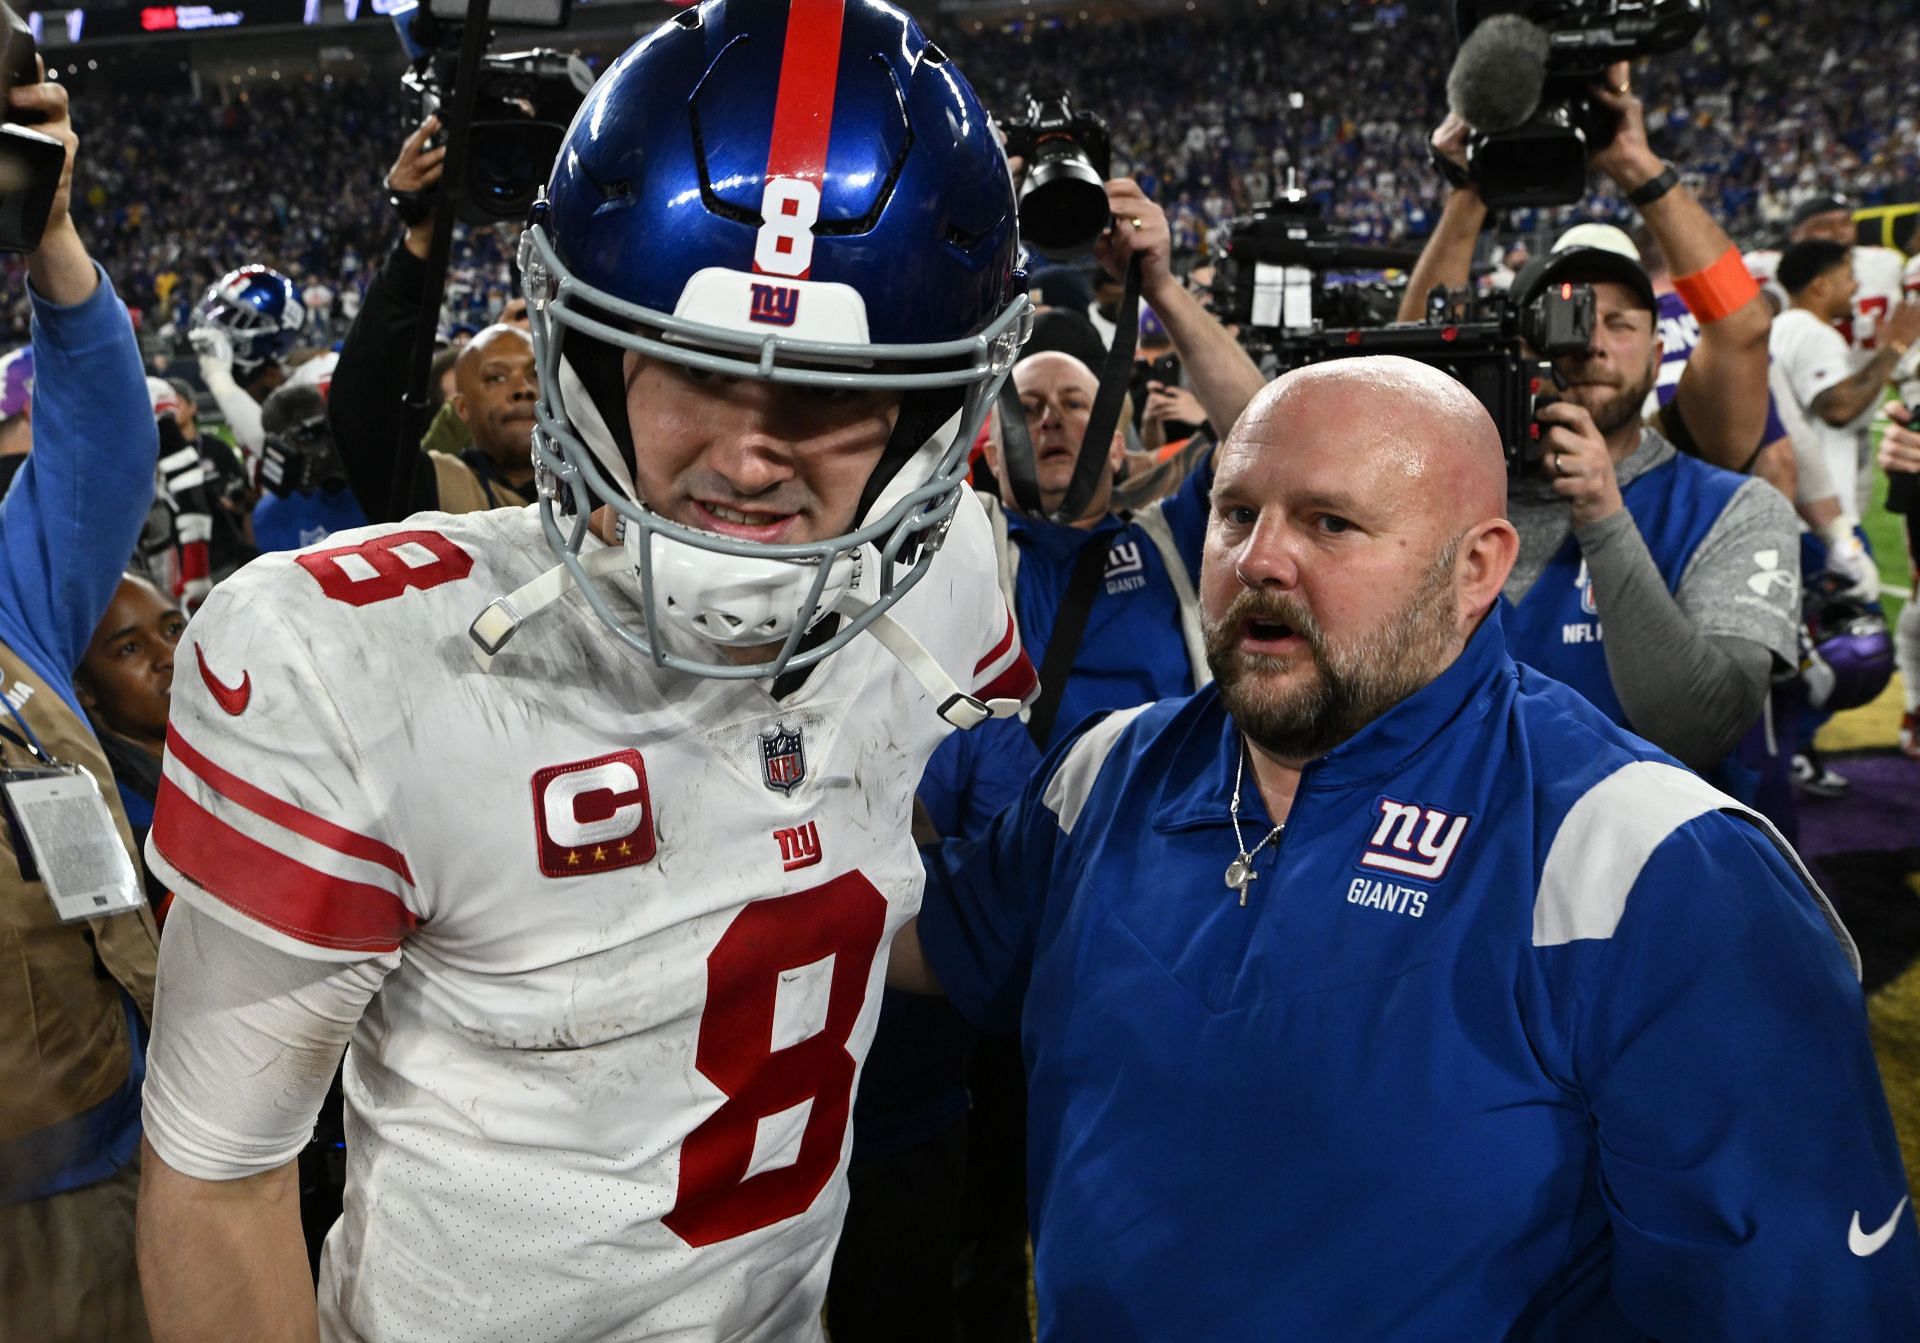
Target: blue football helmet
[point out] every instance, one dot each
(804, 191)
(261, 313)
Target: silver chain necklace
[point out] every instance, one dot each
(1240, 873)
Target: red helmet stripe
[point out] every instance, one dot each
(803, 106)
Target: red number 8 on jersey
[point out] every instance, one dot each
(383, 568)
(717, 1199)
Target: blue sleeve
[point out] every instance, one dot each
(1746, 1154)
(974, 774)
(1186, 512)
(69, 523)
(984, 899)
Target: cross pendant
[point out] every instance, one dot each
(1240, 874)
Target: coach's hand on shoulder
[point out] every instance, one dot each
(59, 267)
(1576, 460)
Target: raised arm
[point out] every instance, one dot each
(1223, 376)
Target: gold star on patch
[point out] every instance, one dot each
(599, 855)
(573, 858)
(625, 848)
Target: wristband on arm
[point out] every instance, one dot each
(1720, 290)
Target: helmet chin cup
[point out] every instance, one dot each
(732, 600)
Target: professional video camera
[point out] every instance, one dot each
(30, 163)
(299, 455)
(1270, 277)
(1068, 156)
(1523, 80)
(522, 108)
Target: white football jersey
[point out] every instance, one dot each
(640, 920)
(316, 372)
(1877, 273)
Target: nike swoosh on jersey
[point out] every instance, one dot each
(231, 698)
(1863, 1244)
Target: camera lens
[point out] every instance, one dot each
(506, 164)
(1063, 203)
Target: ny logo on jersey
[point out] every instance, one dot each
(1126, 570)
(774, 304)
(593, 815)
(799, 846)
(783, 758)
(1413, 840)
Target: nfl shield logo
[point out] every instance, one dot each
(783, 758)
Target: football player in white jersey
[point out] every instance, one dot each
(243, 329)
(597, 863)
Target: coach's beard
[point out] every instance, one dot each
(1354, 683)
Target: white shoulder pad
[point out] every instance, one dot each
(1072, 783)
(1606, 838)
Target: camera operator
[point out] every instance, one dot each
(304, 496)
(1719, 406)
(76, 995)
(493, 376)
(1690, 570)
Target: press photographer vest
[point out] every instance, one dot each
(1556, 628)
(74, 996)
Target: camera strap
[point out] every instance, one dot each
(1063, 641)
(1016, 445)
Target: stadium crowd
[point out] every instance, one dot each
(1534, 703)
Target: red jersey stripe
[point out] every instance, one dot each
(268, 807)
(281, 892)
(999, 650)
(1019, 681)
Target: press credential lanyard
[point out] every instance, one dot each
(64, 835)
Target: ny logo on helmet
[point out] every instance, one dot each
(783, 758)
(774, 304)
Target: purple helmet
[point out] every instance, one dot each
(1850, 637)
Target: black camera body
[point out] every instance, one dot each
(1068, 156)
(1270, 272)
(1543, 160)
(522, 108)
(299, 455)
(31, 164)
(1502, 353)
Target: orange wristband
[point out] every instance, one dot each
(1720, 290)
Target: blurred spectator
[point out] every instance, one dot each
(76, 996)
(125, 684)
(16, 413)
